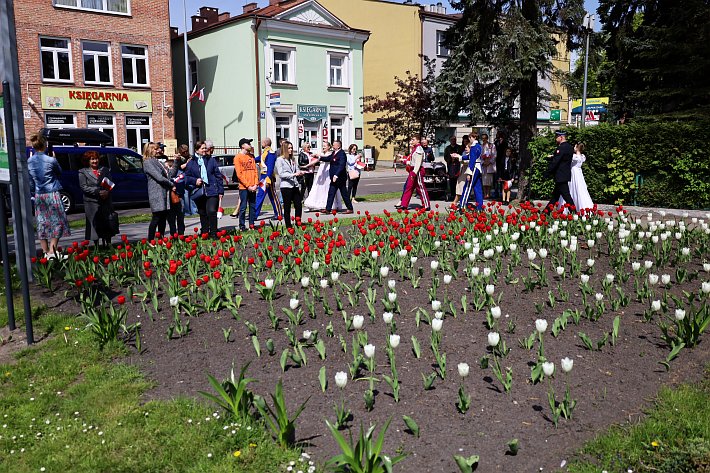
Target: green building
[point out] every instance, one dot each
(289, 70)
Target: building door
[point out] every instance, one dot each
(313, 136)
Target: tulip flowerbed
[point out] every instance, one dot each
(503, 338)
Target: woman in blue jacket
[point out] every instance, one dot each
(203, 180)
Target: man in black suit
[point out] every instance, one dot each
(560, 168)
(338, 177)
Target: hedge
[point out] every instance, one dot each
(671, 158)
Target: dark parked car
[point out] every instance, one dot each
(126, 166)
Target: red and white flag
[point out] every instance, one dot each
(194, 93)
(201, 95)
(107, 184)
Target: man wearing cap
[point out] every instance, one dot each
(248, 178)
(267, 161)
(560, 169)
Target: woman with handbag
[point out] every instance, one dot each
(176, 214)
(205, 182)
(287, 170)
(96, 185)
(354, 169)
(159, 187)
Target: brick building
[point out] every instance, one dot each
(101, 64)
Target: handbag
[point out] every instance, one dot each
(113, 223)
(353, 174)
(174, 197)
(197, 193)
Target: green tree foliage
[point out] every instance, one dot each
(670, 157)
(498, 50)
(660, 52)
(407, 110)
(599, 73)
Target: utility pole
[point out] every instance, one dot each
(190, 138)
(588, 26)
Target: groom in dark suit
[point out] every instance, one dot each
(560, 168)
(338, 177)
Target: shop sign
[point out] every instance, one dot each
(312, 113)
(72, 98)
(138, 121)
(100, 120)
(54, 119)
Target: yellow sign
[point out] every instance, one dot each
(105, 100)
(591, 101)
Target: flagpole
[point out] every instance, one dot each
(187, 80)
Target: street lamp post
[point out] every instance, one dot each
(588, 26)
(187, 78)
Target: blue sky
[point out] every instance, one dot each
(235, 7)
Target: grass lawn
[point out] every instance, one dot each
(673, 438)
(66, 406)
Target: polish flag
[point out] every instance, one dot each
(194, 93)
(107, 183)
(201, 95)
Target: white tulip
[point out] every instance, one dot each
(447, 279)
(394, 340)
(515, 236)
(548, 368)
(486, 271)
(358, 320)
(638, 247)
(269, 283)
(334, 276)
(706, 267)
(392, 296)
(531, 254)
(590, 262)
(307, 334)
(635, 265)
(564, 243)
(374, 254)
(566, 364)
(402, 253)
(653, 279)
(647, 264)
(387, 317)
(665, 279)
(384, 271)
(341, 379)
(656, 305)
(513, 247)
(563, 233)
(369, 350)
(323, 283)
(584, 278)
(475, 271)
(305, 281)
(654, 239)
(705, 287)
(624, 249)
(435, 305)
(679, 314)
(685, 251)
(315, 265)
(437, 244)
(493, 339)
(590, 243)
(434, 265)
(463, 369)
(391, 284)
(436, 324)
(495, 312)
(293, 303)
(599, 296)
(542, 252)
(472, 256)
(174, 301)
(467, 246)
(560, 270)
(541, 325)
(609, 278)
(490, 289)
(413, 259)
(499, 248)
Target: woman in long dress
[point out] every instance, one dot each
(577, 185)
(318, 196)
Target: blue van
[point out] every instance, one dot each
(125, 164)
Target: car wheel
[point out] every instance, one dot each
(67, 201)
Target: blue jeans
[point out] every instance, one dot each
(188, 205)
(246, 197)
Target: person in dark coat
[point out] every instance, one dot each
(501, 145)
(95, 183)
(338, 177)
(159, 187)
(560, 169)
(205, 182)
(176, 215)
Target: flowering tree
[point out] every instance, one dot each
(407, 110)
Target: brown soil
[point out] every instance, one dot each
(613, 385)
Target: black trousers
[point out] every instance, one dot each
(157, 221)
(176, 219)
(292, 195)
(561, 190)
(338, 185)
(308, 181)
(207, 208)
(352, 187)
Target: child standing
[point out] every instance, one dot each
(506, 175)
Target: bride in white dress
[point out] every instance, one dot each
(578, 186)
(318, 197)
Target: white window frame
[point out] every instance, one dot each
(290, 64)
(139, 127)
(55, 52)
(194, 73)
(77, 5)
(134, 58)
(333, 129)
(59, 127)
(344, 69)
(96, 55)
(440, 49)
(103, 127)
(288, 127)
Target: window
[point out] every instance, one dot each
(55, 54)
(104, 123)
(193, 75)
(126, 163)
(138, 131)
(109, 6)
(135, 65)
(441, 50)
(337, 70)
(97, 62)
(283, 129)
(284, 67)
(336, 129)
